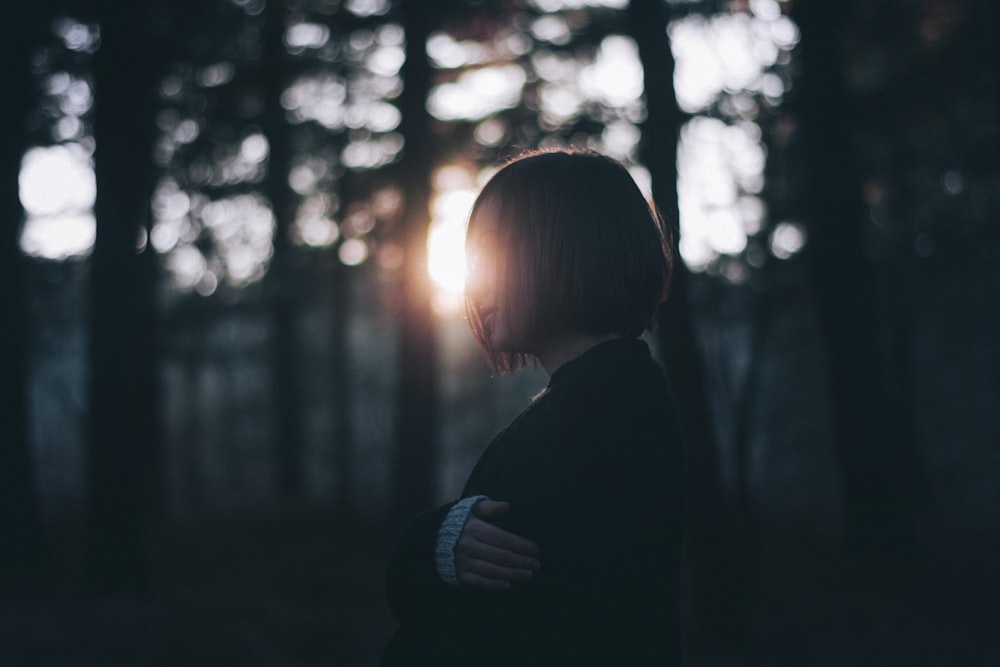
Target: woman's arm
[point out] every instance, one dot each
(607, 592)
(412, 583)
(452, 547)
(489, 557)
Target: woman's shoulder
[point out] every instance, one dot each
(616, 378)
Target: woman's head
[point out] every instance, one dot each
(561, 242)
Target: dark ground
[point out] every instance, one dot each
(278, 590)
(307, 590)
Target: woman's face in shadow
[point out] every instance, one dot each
(502, 325)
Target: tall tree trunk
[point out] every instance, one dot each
(124, 483)
(284, 360)
(878, 458)
(417, 383)
(343, 432)
(713, 586)
(20, 529)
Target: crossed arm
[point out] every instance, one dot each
(483, 557)
(489, 557)
(604, 596)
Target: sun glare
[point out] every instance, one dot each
(446, 239)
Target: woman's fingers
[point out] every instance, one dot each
(490, 509)
(489, 557)
(471, 567)
(489, 534)
(475, 549)
(490, 570)
(479, 581)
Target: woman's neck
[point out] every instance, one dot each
(560, 349)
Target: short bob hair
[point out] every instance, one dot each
(576, 248)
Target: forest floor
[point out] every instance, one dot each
(307, 590)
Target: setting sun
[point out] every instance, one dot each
(446, 239)
(446, 255)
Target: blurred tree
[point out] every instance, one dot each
(715, 563)
(341, 384)
(20, 521)
(124, 457)
(292, 101)
(878, 458)
(417, 405)
(284, 360)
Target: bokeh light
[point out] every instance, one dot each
(727, 65)
(719, 167)
(313, 224)
(615, 76)
(561, 5)
(238, 229)
(77, 36)
(55, 179)
(60, 237)
(787, 239)
(57, 188)
(368, 7)
(730, 53)
(478, 93)
(242, 229)
(353, 252)
(304, 35)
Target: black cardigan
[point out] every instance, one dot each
(592, 472)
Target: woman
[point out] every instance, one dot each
(564, 548)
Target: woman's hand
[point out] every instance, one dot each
(489, 557)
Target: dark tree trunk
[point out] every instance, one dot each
(20, 529)
(284, 360)
(878, 458)
(343, 432)
(713, 586)
(124, 483)
(417, 385)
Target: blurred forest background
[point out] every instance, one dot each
(233, 358)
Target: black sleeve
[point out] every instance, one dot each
(607, 592)
(413, 588)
